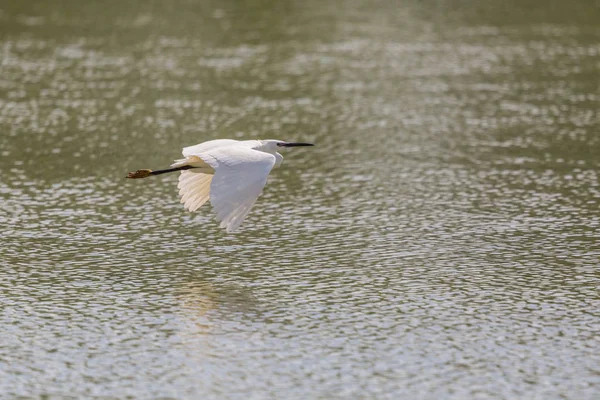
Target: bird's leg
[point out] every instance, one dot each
(144, 173)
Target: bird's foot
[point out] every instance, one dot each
(140, 173)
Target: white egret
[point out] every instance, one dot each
(229, 173)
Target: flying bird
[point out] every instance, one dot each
(229, 173)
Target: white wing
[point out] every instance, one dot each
(194, 184)
(240, 174)
(207, 146)
(194, 188)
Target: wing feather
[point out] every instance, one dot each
(194, 189)
(240, 176)
(205, 147)
(229, 174)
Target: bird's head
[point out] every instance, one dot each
(271, 145)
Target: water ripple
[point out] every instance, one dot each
(440, 241)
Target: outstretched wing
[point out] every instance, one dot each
(240, 175)
(194, 188)
(191, 151)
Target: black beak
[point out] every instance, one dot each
(289, 144)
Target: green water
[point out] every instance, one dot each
(440, 241)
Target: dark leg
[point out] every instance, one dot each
(144, 173)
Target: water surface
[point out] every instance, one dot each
(440, 241)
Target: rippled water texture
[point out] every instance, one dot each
(441, 241)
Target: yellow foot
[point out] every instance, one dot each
(140, 173)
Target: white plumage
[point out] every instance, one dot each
(229, 173)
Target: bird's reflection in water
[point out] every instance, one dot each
(207, 307)
(197, 299)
